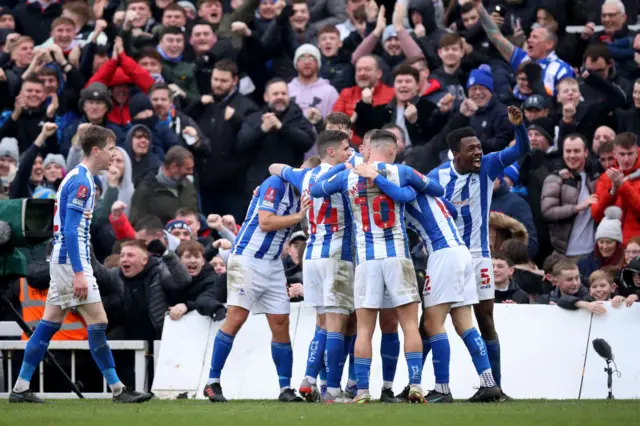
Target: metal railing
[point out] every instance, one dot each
(7, 347)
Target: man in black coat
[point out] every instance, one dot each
(223, 172)
(278, 133)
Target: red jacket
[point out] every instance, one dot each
(627, 197)
(116, 72)
(122, 228)
(349, 97)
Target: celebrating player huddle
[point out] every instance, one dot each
(361, 215)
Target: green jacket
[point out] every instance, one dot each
(244, 13)
(181, 74)
(152, 198)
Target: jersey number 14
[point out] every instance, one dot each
(326, 216)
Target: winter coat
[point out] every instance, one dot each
(27, 129)
(338, 70)
(213, 294)
(182, 74)
(628, 120)
(148, 164)
(506, 228)
(162, 138)
(152, 198)
(514, 206)
(152, 279)
(31, 20)
(225, 166)
(320, 95)
(193, 294)
(564, 301)
(492, 126)
(349, 97)
(627, 197)
(22, 186)
(558, 200)
(326, 12)
(286, 145)
(512, 292)
(116, 72)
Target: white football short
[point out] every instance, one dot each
(61, 287)
(328, 285)
(484, 278)
(395, 276)
(449, 274)
(257, 285)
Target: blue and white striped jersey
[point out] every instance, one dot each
(75, 201)
(471, 193)
(275, 196)
(554, 69)
(330, 220)
(379, 220)
(356, 158)
(431, 218)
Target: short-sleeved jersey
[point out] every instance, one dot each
(75, 201)
(431, 218)
(471, 193)
(379, 221)
(330, 220)
(554, 69)
(276, 196)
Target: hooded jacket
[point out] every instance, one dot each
(507, 228)
(148, 164)
(320, 94)
(125, 189)
(122, 71)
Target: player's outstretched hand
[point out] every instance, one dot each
(366, 171)
(80, 286)
(515, 115)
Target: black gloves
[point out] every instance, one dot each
(156, 247)
(219, 313)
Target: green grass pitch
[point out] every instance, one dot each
(254, 413)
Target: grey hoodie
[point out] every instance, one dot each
(125, 189)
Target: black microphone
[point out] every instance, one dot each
(603, 349)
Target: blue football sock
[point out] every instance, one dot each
(101, 352)
(426, 348)
(441, 357)
(334, 358)
(316, 352)
(389, 350)
(221, 349)
(352, 358)
(322, 374)
(477, 349)
(283, 359)
(363, 368)
(37, 348)
(493, 350)
(414, 364)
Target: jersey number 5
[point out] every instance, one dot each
(484, 276)
(326, 216)
(378, 202)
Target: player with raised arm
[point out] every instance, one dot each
(328, 267)
(468, 182)
(449, 287)
(256, 282)
(72, 282)
(383, 259)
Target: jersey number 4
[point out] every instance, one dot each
(378, 203)
(326, 216)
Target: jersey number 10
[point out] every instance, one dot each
(377, 212)
(326, 216)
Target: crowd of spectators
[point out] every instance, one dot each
(204, 95)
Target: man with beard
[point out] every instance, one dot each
(315, 96)
(223, 172)
(163, 194)
(184, 299)
(369, 88)
(278, 133)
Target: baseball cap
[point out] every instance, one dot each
(537, 102)
(298, 235)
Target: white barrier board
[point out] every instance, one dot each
(543, 354)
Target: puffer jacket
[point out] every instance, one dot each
(558, 200)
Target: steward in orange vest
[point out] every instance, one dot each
(33, 302)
